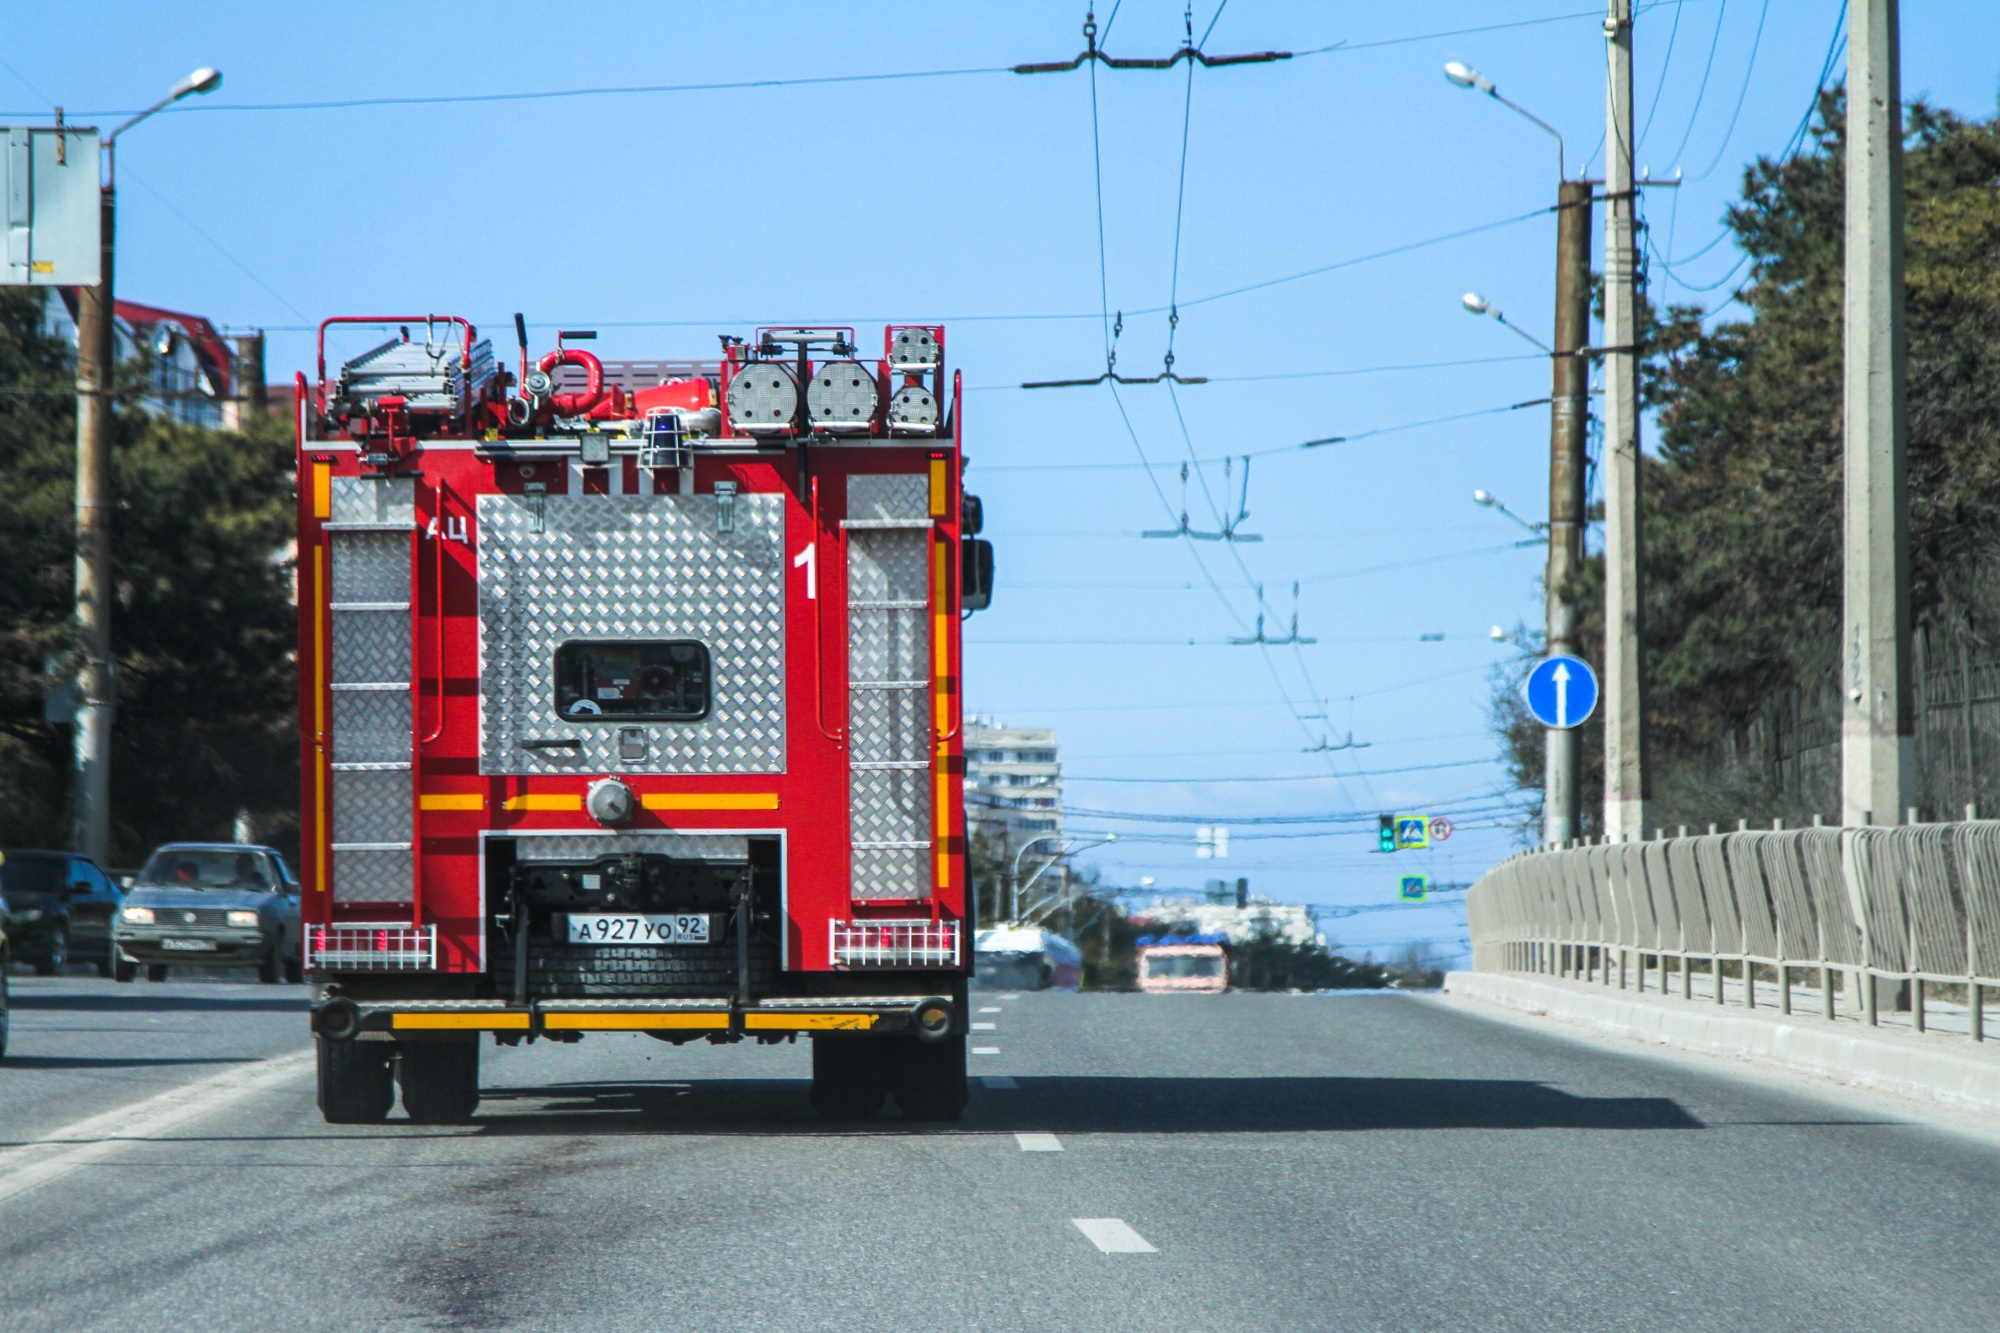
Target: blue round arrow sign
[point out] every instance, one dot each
(1561, 692)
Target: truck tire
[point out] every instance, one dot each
(849, 1080)
(124, 971)
(440, 1081)
(295, 968)
(273, 966)
(356, 1085)
(927, 1077)
(156, 971)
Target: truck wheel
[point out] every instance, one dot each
(440, 1081)
(295, 971)
(122, 970)
(849, 1081)
(928, 1077)
(273, 965)
(156, 971)
(355, 1083)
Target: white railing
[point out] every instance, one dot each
(1872, 918)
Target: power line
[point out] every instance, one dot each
(1721, 13)
(1283, 777)
(1748, 69)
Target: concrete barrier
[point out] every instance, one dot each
(1903, 1063)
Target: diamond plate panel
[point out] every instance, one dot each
(892, 495)
(373, 877)
(371, 726)
(371, 566)
(883, 872)
(371, 647)
(887, 565)
(632, 567)
(374, 500)
(590, 846)
(891, 805)
(372, 807)
(889, 725)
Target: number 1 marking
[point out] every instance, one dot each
(805, 558)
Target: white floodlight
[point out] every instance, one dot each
(1498, 635)
(203, 80)
(1465, 76)
(1484, 498)
(1475, 303)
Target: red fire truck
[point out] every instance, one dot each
(629, 702)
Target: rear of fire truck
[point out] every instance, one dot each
(629, 703)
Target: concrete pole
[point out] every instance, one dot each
(1877, 743)
(247, 398)
(1569, 413)
(1625, 784)
(96, 365)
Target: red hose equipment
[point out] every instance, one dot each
(575, 404)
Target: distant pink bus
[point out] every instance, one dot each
(1182, 963)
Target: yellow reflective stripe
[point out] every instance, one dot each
(714, 800)
(809, 1022)
(451, 800)
(629, 1022)
(322, 484)
(938, 509)
(460, 1022)
(319, 672)
(544, 801)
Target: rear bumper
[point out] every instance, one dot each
(928, 1016)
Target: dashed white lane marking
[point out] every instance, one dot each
(986, 1050)
(24, 1167)
(1113, 1236)
(1011, 996)
(990, 1009)
(1039, 1142)
(999, 1081)
(985, 1027)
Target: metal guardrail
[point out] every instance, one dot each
(1887, 912)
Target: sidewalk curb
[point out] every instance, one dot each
(1905, 1064)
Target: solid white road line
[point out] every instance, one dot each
(990, 1009)
(1113, 1236)
(985, 1027)
(1039, 1142)
(24, 1167)
(999, 1081)
(986, 1050)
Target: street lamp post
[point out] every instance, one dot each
(1015, 884)
(1569, 416)
(96, 364)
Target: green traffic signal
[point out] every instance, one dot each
(1385, 837)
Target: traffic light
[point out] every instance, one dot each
(1385, 837)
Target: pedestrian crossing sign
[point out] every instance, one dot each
(1413, 832)
(1414, 888)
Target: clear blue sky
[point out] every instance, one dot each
(664, 218)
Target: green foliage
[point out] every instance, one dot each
(1742, 496)
(202, 623)
(1269, 962)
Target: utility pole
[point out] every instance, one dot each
(96, 365)
(247, 396)
(1877, 745)
(1569, 412)
(96, 372)
(1625, 782)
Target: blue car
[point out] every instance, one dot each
(211, 905)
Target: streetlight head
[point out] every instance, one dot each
(1498, 635)
(1464, 76)
(203, 80)
(1475, 303)
(1484, 498)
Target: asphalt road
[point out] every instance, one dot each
(1227, 1162)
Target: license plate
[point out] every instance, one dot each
(189, 946)
(632, 928)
